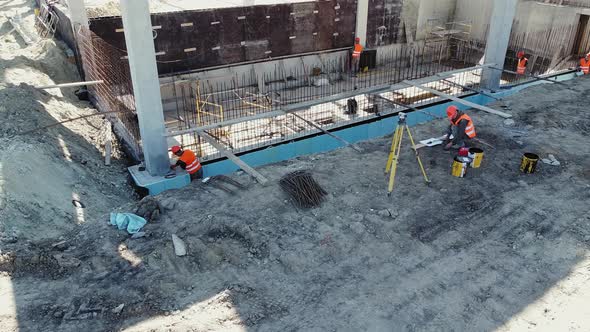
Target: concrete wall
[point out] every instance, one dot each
(433, 12)
(530, 16)
(384, 24)
(190, 40)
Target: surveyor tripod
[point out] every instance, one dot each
(396, 145)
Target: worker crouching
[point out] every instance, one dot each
(188, 161)
(585, 64)
(460, 130)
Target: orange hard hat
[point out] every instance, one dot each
(520, 54)
(175, 149)
(451, 111)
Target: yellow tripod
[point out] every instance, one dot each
(396, 145)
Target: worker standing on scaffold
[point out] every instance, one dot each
(522, 62)
(356, 55)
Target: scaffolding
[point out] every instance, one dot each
(452, 36)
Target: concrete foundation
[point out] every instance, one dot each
(158, 184)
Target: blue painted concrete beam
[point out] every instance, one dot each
(319, 143)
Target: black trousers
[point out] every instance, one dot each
(197, 175)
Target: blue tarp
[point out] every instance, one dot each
(129, 221)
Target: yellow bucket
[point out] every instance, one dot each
(459, 168)
(529, 163)
(476, 154)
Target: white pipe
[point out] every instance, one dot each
(69, 85)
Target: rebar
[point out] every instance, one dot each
(303, 189)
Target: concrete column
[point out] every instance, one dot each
(362, 15)
(137, 25)
(497, 43)
(78, 15)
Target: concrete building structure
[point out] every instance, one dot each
(277, 49)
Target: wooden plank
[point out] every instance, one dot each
(459, 100)
(261, 179)
(15, 22)
(108, 145)
(317, 126)
(531, 76)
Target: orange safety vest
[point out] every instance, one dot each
(469, 129)
(192, 162)
(585, 66)
(356, 53)
(520, 69)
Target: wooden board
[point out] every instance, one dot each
(459, 100)
(261, 179)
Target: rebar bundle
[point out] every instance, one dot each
(303, 189)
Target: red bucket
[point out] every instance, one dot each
(463, 152)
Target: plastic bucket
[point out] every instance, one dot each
(459, 168)
(529, 163)
(476, 155)
(463, 152)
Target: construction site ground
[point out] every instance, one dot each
(496, 250)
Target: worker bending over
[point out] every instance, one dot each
(188, 161)
(585, 64)
(460, 130)
(356, 55)
(522, 62)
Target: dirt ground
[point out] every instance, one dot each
(43, 171)
(495, 251)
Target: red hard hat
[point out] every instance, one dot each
(175, 149)
(357, 39)
(451, 111)
(520, 54)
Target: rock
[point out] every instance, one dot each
(388, 213)
(357, 217)
(58, 314)
(61, 245)
(509, 122)
(179, 246)
(168, 204)
(117, 310)
(357, 228)
(138, 235)
(147, 208)
(551, 160)
(67, 261)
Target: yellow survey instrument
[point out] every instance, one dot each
(396, 145)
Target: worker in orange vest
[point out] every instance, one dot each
(188, 161)
(585, 64)
(356, 54)
(460, 130)
(522, 62)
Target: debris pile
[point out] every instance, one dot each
(303, 189)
